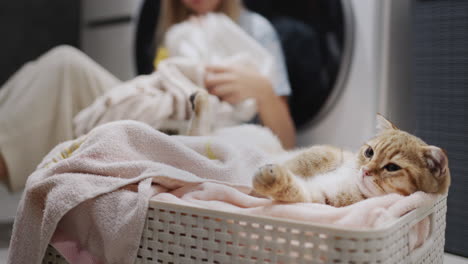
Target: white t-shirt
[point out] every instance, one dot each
(261, 30)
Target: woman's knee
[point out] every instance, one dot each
(66, 56)
(64, 51)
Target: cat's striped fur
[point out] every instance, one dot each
(392, 162)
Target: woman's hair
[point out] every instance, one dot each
(174, 11)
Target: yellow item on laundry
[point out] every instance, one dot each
(66, 153)
(209, 151)
(161, 54)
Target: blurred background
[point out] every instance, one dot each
(347, 60)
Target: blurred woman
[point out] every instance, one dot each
(233, 84)
(39, 102)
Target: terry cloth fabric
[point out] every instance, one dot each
(89, 196)
(104, 186)
(161, 99)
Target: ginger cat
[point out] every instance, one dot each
(391, 162)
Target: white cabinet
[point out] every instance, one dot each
(92, 10)
(108, 31)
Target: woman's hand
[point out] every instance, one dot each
(235, 84)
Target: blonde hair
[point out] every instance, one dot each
(174, 11)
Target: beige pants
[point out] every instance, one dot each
(38, 103)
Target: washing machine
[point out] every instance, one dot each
(362, 47)
(373, 76)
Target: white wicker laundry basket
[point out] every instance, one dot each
(181, 234)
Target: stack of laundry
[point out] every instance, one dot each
(161, 99)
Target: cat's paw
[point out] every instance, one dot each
(269, 179)
(199, 100)
(277, 182)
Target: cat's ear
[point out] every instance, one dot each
(383, 124)
(437, 161)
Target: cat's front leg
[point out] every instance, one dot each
(277, 182)
(201, 121)
(316, 160)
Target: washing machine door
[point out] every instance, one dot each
(145, 47)
(316, 40)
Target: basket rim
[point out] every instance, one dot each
(410, 218)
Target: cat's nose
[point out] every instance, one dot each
(366, 172)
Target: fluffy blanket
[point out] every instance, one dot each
(161, 99)
(89, 196)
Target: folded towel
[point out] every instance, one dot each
(89, 196)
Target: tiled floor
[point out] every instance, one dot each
(3, 255)
(452, 259)
(5, 233)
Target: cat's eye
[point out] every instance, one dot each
(392, 167)
(369, 152)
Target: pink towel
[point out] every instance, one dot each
(89, 196)
(372, 213)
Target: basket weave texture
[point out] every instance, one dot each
(180, 234)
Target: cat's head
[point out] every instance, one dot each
(397, 162)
